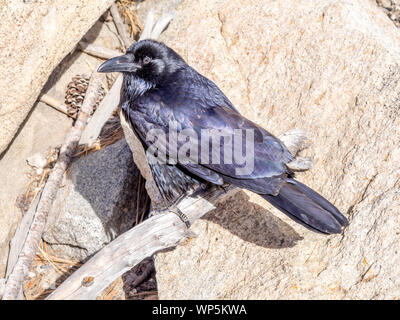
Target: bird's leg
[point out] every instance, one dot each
(173, 206)
(296, 140)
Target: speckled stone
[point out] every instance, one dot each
(331, 68)
(96, 203)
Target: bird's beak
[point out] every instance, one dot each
(119, 64)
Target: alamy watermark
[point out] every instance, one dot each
(210, 146)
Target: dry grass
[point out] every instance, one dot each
(129, 14)
(47, 272)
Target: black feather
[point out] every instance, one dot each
(307, 207)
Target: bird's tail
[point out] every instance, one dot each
(307, 207)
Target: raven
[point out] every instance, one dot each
(161, 92)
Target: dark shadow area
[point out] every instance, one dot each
(140, 282)
(253, 223)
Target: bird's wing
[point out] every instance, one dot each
(197, 107)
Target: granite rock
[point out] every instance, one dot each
(96, 203)
(331, 68)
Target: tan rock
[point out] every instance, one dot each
(333, 69)
(34, 37)
(45, 128)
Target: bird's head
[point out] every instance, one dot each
(149, 60)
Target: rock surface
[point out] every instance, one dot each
(96, 203)
(333, 69)
(392, 9)
(45, 128)
(35, 36)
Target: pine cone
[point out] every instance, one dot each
(75, 94)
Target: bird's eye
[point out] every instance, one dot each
(146, 60)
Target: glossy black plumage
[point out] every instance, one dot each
(161, 91)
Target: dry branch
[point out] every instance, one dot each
(17, 275)
(106, 107)
(97, 51)
(120, 26)
(17, 242)
(20, 235)
(160, 26)
(140, 159)
(54, 103)
(148, 26)
(161, 231)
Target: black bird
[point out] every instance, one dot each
(161, 90)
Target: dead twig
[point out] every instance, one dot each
(161, 24)
(161, 231)
(20, 235)
(106, 107)
(54, 103)
(26, 256)
(120, 26)
(97, 51)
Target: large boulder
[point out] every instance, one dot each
(329, 67)
(35, 36)
(97, 202)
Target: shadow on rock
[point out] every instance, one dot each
(253, 223)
